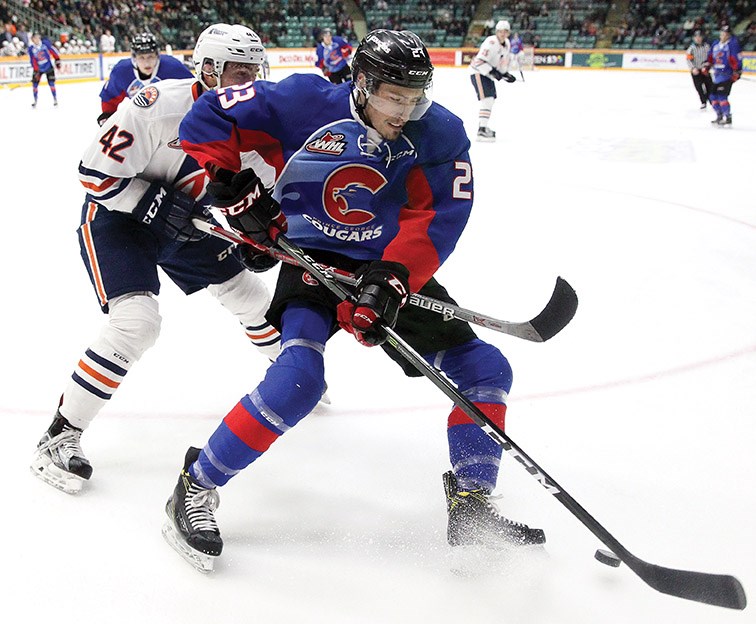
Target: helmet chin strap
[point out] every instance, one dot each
(360, 107)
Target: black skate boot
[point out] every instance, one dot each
(473, 519)
(726, 121)
(718, 120)
(59, 459)
(486, 135)
(191, 528)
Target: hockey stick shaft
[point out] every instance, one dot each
(715, 589)
(553, 318)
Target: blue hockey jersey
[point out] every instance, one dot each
(334, 57)
(341, 186)
(725, 58)
(124, 81)
(43, 56)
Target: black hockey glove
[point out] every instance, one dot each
(382, 288)
(496, 74)
(57, 64)
(103, 118)
(254, 260)
(171, 212)
(508, 77)
(249, 207)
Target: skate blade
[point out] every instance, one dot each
(485, 139)
(43, 468)
(199, 561)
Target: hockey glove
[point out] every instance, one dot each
(171, 212)
(249, 207)
(57, 64)
(103, 118)
(735, 76)
(382, 288)
(508, 77)
(496, 74)
(254, 260)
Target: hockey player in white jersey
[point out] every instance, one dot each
(490, 63)
(142, 191)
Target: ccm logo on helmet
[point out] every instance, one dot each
(418, 72)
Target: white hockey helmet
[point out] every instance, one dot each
(221, 43)
(502, 25)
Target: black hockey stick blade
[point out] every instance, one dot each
(558, 311)
(721, 590)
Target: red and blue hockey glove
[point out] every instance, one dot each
(171, 212)
(382, 289)
(736, 76)
(249, 207)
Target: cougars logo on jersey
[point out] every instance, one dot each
(348, 192)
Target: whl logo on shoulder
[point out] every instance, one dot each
(332, 144)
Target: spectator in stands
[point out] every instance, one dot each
(107, 41)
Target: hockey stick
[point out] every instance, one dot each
(715, 589)
(553, 318)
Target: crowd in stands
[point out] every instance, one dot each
(107, 25)
(554, 23)
(280, 22)
(438, 22)
(671, 24)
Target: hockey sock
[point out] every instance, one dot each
(484, 376)
(54, 92)
(724, 105)
(292, 387)
(247, 298)
(133, 326)
(35, 91)
(484, 113)
(474, 456)
(716, 105)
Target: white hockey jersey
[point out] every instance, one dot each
(139, 144)
(492, 55)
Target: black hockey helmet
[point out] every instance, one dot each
(396, 57)
(144, 43)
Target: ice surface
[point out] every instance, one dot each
(643, 408)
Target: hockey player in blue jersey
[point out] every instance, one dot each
(45, 59)
(726, 62)
(333, 57)
(372, 176)
(145, 66)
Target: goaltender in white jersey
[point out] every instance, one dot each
(490, 63)
(142, 192)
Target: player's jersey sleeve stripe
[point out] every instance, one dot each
(264, 144)
(111, 105)
(412, 246)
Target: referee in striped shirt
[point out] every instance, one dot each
(697, 54)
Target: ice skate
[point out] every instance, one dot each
(475, 520)
(718, 120)
(59, 459)
(486, 135)
(703, 105)
(190, 527)
(726, 121)
(34, 105)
